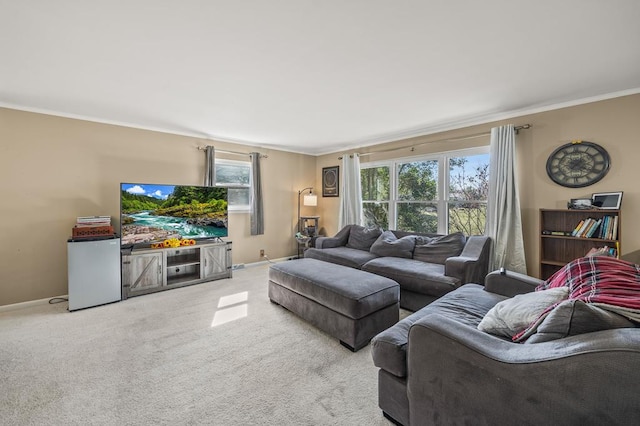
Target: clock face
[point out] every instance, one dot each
(578, 164)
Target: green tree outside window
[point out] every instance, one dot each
(375, 196)
(412, 201)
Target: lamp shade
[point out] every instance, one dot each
(310, 200)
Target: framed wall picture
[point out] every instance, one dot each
(607, 200)
(331, 181)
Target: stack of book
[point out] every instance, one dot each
(605, 228)
(92, 226)
(586, 228)
(93, 221)
(606, 250)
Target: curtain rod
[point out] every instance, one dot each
(222, 151)
(460, 138)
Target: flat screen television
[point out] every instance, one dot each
(151, 213)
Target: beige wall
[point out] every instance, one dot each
(611, 123)
(54, 169)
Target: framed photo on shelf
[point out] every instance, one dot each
(580, 203)
(607, 200)
(331, 181)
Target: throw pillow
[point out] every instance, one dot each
(388, 244)
(362, 238)
(422, 240)
(572, 317)
(512, 316)
(439, 249)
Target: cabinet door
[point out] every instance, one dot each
(142, 272)
(214, 262)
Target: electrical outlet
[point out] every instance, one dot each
(261, 252)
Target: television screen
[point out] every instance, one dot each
(152, 213)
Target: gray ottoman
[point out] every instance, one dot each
(347, 303)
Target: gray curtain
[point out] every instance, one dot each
(257, 211)
(210, 167)
(351, 192)
(504, 223)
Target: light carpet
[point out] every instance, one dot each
(217, 353)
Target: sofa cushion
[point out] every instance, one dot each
(439, 249)
(345, 256)
(388, 244)
(572, 317)
(338, 240)
(514, 315)
(414, 275)
(362, 238)
(467, 305)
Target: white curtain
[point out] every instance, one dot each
(210, 166)
(351, 192)
(504, 224)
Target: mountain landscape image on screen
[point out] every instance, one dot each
(153, 213)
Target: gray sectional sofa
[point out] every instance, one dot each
(437, 367)
(426, 266)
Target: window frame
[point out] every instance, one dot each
(468, 152)
(376, 164)
(239, 208)
(442, 202)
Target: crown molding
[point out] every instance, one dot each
(474, 121)
(348, 144)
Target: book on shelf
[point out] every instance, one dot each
(90, 219)
(603, 227)
(608, 228)
(593, 228)
(584, 227)
(574, 233)
(603, 251)
(608, 231)
(587, 228)
(83, 221)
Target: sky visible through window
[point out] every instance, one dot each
(474, 161)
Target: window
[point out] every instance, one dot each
(235, 175)
(468, 193)
(375, 196)
(417, 199)
(441, 193)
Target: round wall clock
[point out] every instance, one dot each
(577, 164)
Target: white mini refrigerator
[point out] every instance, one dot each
(94, 273)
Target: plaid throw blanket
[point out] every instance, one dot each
(609, 283)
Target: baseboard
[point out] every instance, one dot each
(266, 262)
(30, 303)
(22, 305)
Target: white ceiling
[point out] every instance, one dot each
(313, 76)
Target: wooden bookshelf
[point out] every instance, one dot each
(558, 250)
